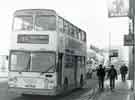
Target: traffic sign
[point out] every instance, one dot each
(114, 53)
(118, 8)
(128, 40)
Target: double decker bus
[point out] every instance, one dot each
(47, 54)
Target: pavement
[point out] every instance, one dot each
(122, 91)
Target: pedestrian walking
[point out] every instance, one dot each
(101, 75)
(112, 75)
(123, 72)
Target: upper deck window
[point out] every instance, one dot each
(60, 24)
(83, 36)
(66, 27)
(23, 23)
(45, 22)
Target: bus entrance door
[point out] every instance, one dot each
(76, 69)
(60, 70)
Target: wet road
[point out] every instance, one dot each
(78, 94)
(122, 92)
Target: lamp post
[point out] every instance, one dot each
(133, 49)
(109, 48)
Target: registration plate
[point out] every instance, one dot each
(29, 82)
(30, 86)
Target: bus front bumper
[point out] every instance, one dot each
(34, 91)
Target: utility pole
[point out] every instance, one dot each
(133, 49)
(109, 48)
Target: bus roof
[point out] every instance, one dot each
(39, 12)
(34, 11)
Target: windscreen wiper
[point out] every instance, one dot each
(48, 69)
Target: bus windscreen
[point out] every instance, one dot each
(32, 61)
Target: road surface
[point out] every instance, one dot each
(79, 94)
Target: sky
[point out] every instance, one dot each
(89, 15)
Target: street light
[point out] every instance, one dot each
(132, 18)
(109, 48)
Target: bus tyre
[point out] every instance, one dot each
(81, 81)
(24, 95)
(65, 83)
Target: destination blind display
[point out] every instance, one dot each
(33, 39)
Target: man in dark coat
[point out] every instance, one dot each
(112, 75)
(101, 75)
(123, 71)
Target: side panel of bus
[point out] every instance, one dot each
(73, 54)
(73, 71)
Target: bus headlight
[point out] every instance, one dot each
(12, 80)
(51, 84)
(11, 85)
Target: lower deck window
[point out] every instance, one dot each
(32, 61)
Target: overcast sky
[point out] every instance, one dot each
(90, 15)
